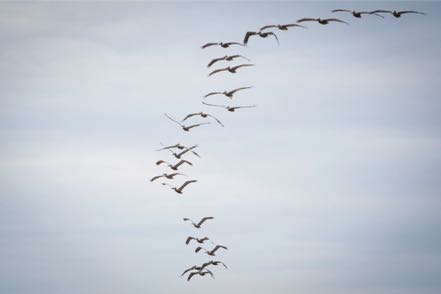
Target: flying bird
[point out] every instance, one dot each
(221, 44)
(201, 273)
(260, 34)
(397, 14)
(357, 14)
(202, 114)
(168, 176)
(199, 224)
(175, 166)
(199, 240)
(179, 190)
(229, 69)
(212, 262)
(184, 127)
(282, 27)
(212, 251)
(229, 108)
(229, 94)
(180, 147)
(194, 267)
(321, 21)
(226, 58)
(180, 154)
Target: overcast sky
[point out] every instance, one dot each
(331, 184)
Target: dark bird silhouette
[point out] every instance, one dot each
(175, 166)
(212, 262)
(201, 273)
(194, 267)
(199, 224)
(282, 27)
(229, 108)
(199, 240)
(179, 147)
(212, 251)
(260, 34)
(229, 94)
(180, 154)
(222, 44)
(321, 21)
(229, 69)
(226, 58)
(184, 127)
(202, 114)
(179, 190)
(356, 14)
(397, 14)
(168, 176)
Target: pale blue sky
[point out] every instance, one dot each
(330, 185)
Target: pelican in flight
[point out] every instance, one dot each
(282, 27)
(357, 14)
(229, 94)
(260, 34)
(322, 21)
(180, 154)
(221, 44)
(212, 251)
(168, 176)
(201, 273)
(229, 69)
(179, 190)
(202, 114)
(226, 58)
(199, 224)
(229, 108)
(180, 147)
(397, 14)
(175, 166)
(212, 262)
(199, 240)
(184, 127)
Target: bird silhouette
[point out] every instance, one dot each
(202, 114)
(282, 27)
(180, 154)
(168, 176)
(179, 190)
(179, 147)
(184, 127)
(212, 262)
(194, 267)
(221, 44)
(199, 240)
(357, 14)
(211, 252)
(226, 58)
(397, 14)
(201, 273)
(229, 108)
(260, 34)
(323, 21)
(199, 224)
(229, 69)
(174, 166)
(229, 94)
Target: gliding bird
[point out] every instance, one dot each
(168, 176)
(176, 166)
(201, 273)
(184, 127)
(281, 27)
(204, 115)
(212, 251)
(226, 58)
(222, 44)
(200, 241)
(229, 94)
(179, 190)
(356, 14)
(260, 34)
(199, 224)
(229, 69)
(321, 21)
(395, 13)
(229, 108)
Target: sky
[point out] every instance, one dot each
(330, 185)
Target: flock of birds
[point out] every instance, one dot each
(178, 151)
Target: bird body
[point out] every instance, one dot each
(199, 224)
(229, 94)
(229, 69)
(260, 34)
(322, 21)
(397, 14)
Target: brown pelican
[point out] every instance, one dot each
(199, 224)
(212, 262)
(200, 241)
(222, 44)
(184, 127)
(356, 14)
(230, 69)
(179, 190)
(176, 166)
(180, 154)
(226, 58)
(180, 147)
(168, 176)
(212, 251)
(229, 108)
(229, 94)
(202, 114)
(395, 13)
(201, 273)
(321, 21)
(260, 34)
(281, 27)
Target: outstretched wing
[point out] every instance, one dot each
(186, 150)
(380, 11)
(189, 239)
(213, 61)
(411, 11)
(204, 219)
(294, 25)
(190, 115)
(186, 183)
(233, 43)
(241, 65)
(247, 36)
(160, 162)
(202, 240)
(157, 177)
(212, 93)
(182, 162)
(197, 125)
(213, 104)
(199, 249)
(248, 106)
(191, 275)
(307, 19)
(218, 247)
(215, 119)
(336, 20)
(238, 89)
(172, 119)
(208, 45)
(217, 70)
(275, 36)
(341, 10)
(187, 270)
(267, 27)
